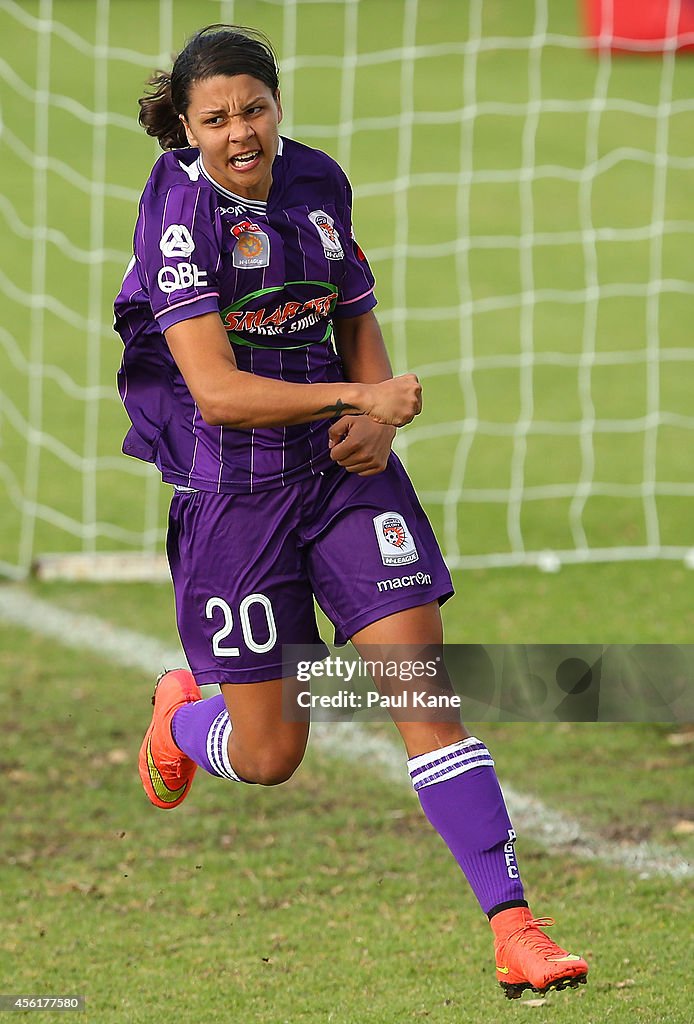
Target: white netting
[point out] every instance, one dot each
(525, 205)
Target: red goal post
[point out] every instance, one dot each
(640, 26)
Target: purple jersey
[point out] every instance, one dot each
(277, 272)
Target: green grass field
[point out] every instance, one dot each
(328, 899)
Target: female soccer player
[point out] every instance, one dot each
(256, 378)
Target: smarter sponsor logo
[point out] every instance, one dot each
(416, 579)
(181, 276)
(395, 542)
(287, 317)
(177, 242)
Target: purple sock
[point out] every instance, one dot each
(201, 730)
(460, 795)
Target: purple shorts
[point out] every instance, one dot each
(246, 567)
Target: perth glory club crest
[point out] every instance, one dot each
(325, 226)
(395, 541)
(394, 532)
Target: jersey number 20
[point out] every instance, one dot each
(258, 647)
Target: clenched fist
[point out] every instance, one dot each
(396, 401)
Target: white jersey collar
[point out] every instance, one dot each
(255, 205)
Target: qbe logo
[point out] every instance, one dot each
(181, 276)
(177, 241)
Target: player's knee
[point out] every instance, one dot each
(272, 767)
(275, 771)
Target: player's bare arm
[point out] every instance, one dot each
(361, 347)
(359, 444)
(227, 396)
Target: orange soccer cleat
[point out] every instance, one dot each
(166, 772)
(527, 958)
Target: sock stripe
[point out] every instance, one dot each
(446, 763)
(449, 773)
(452, 750)
(450, 759)
(214, 744)
(224, 744)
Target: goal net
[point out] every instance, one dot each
(525, 202)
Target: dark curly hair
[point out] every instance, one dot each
(214, 50)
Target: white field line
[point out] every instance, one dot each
(351, 741)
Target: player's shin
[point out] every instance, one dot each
(460, 795)
(201, 730)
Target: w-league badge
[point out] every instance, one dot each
(252, 247)
(395, 541)
(327, 232)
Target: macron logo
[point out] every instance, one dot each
(417, 579)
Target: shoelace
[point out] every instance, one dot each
(168, 763)
(531, 936)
